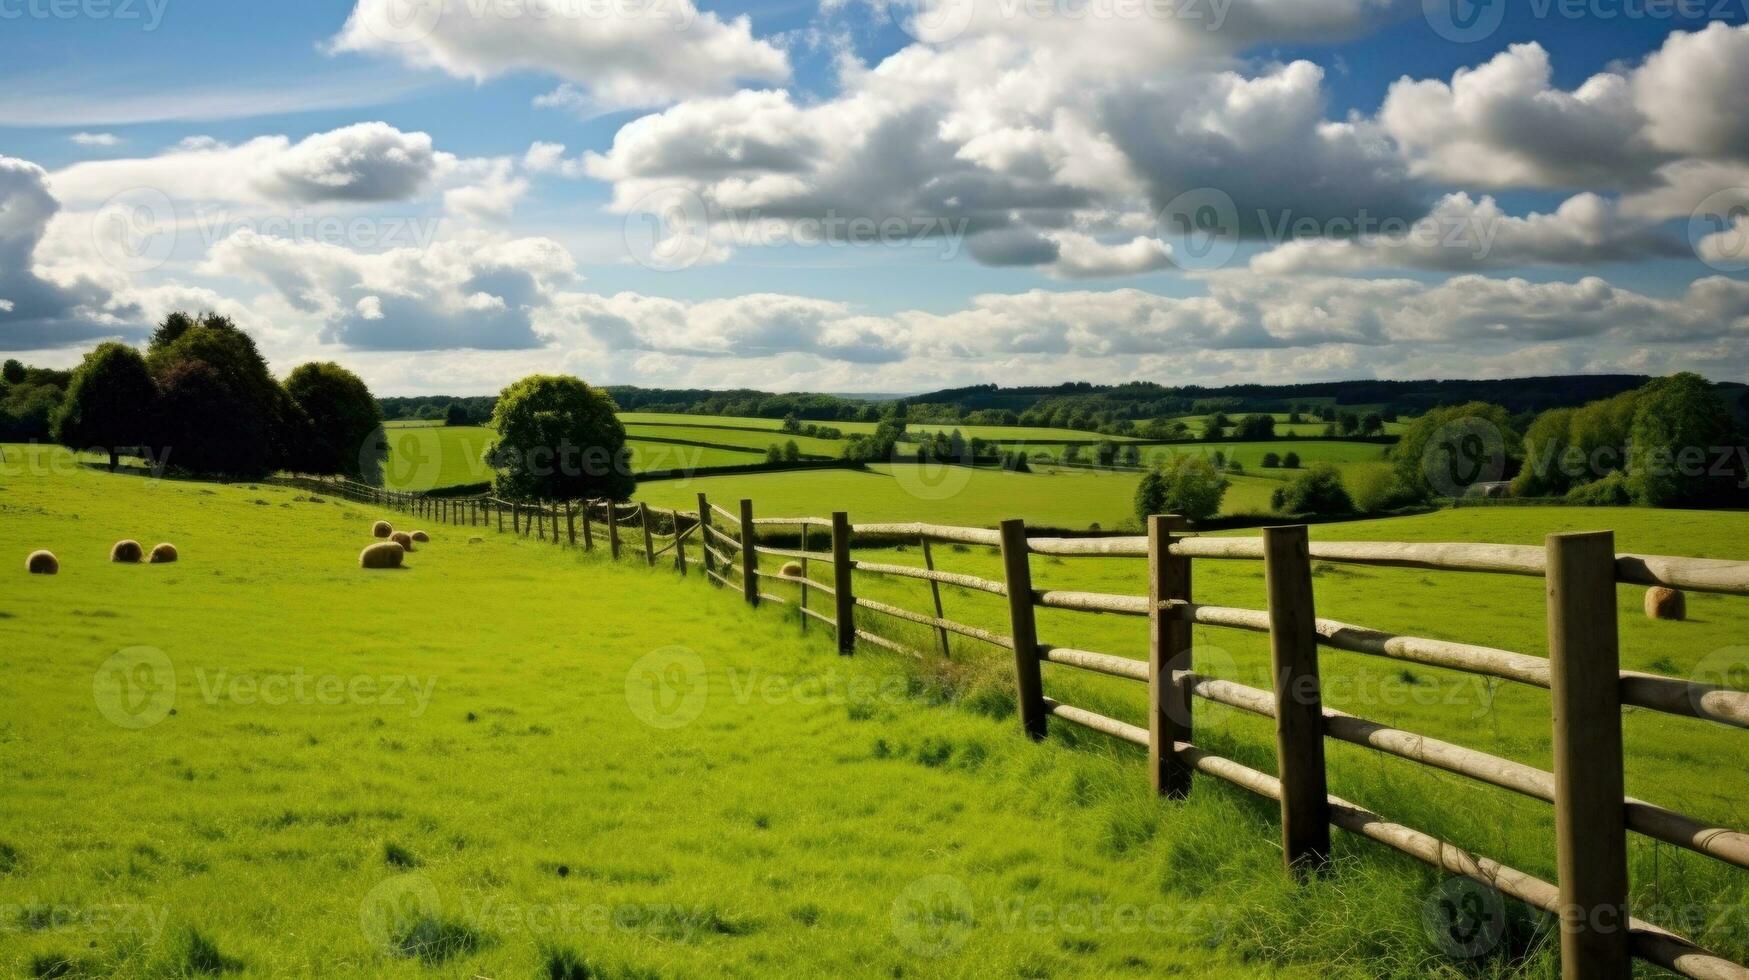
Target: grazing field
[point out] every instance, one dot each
(426, 457)
(1250, 454)
(1688, 765)
(744, 438)
(1009, 433)
(508, 758)
(734, 422)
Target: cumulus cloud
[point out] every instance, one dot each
(96, 139)
(611, 55)
(362, 163)
(474, 292)
(39, 308)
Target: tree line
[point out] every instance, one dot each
(201, 400)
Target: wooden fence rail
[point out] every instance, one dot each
(1588, 690)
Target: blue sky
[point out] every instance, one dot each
(1576, 194)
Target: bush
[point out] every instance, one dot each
(1375, 488)
(1187, 485)
(1255, 427)
(1271, 461)
(1291, 461)
(1611, 491)
(559, 439)
(1317, 491)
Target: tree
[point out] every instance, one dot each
(1256, 427)
(1318, 490)
(791, 423)
(1132, 456)
(1374, 488)
(244, 403)
(1186, 485)
(773, 454)
(1105, 454)
(1680, 431)
(791, 452)
(559, 439)
(13, 371)
(110, 404)
(1271, 461)
(457, 414)
(344, 436)
(1449, 449)
(1291, 461)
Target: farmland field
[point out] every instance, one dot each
(734, 422)
(470, 768)
(744, 438)
(1008, 433)
(426, 457)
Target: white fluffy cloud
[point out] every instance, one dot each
(41, 308)
(367, 162)
(611, 55)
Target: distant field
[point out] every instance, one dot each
(1250, 454)
(426, 457)
(1309, 427)
(746, 438)
(1001, 433)
(733, 421)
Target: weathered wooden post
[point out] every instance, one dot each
(1590, 821)
(612, 529)
(704, 535)
(1299, 703)
(1170, 639)
(570, 525)
(935, 593)
(749, 555)
(588, 533)
(555, 515)
(845, 600)
(679, 543)
(649, 542)
(1029, 686)
(515, 518)
(499, 507)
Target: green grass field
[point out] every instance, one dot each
(745, 438)
(1005, 433)
(426, 457)
(512, 758)
(733, 422)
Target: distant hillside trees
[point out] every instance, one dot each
(1255, 427)
(1674, 442)
(559, 439)
(1450, 449)
(30, 399)
(343, 426)
(1318, 492)
(111, 403)
(223, 412)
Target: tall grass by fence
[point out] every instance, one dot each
(1588, 689)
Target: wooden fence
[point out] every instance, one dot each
(1582, 673)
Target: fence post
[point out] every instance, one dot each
(1170, 640)
(555, 513)
(845, 600)
(1029, 687)
(612, 529)
(588, 534)
(1590, 822)
(649, 543)
(570, 525)
(1299, 704)
(499, 507)
(749, 555)
(679, 543)
(935, 593)
(515, 518)
(704, 535)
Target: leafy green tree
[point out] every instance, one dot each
(1291, 461)
(1681, 430)
(13, 372)
(792, 453)
(168, 332)
(244, 403)
(559, 439)
(1374, 488)
(1186, 485)
(1318, 490)
(1271, 461)
(1256, 427)
(344, 436)
(457, 414)
(111, 403)
(1451, 448)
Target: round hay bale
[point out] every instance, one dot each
(381, 529)
(403, 539)
(793, 569)
(385, 554)
(128, 552)
(42, 563)
(164, 554)
(476, 540)
(1662, 603)
(421, 537)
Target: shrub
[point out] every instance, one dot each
(164, 554)
(1271, 461)
(42, 563)
(1375, 488)
(1317, 491)
(1186, 485)
(1291, 461)
(1611, 491)
(386, 554)
(127, 551)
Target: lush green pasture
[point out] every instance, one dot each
(1004, 433)
(1692, 766)
(1250, 454)
(648, 456)
(734, 422)
(510, 758)
(425, 457)
(745, 438)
